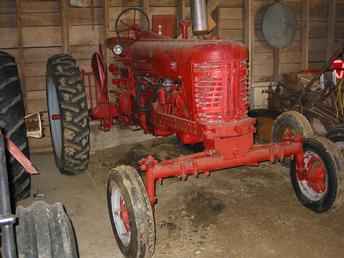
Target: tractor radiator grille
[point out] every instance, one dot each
(209, 81)
(244, 86)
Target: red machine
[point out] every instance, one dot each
(196, 90)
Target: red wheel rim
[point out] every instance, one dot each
(120, 216)
(313, 183)
(316, 174)
(124, 214)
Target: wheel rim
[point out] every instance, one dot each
(55, 118)
(135, 14)
(315, 182)
(288, 131)
(120, 216)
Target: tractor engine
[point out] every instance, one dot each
(179, 86)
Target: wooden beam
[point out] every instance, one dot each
(145, 4)
(107, 20)
(64, 9)
(276, 64)
(249, 31)
(305, 28)
(331, 23)
(20, 47)
(107, 31)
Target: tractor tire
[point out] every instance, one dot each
(336, 135)
(45, 230)
(68, 115)
(12, 123)
(293, 120)
(323, 187)
(130, 213)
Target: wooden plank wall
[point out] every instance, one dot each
(46, 30)
(339, 25)
(318, 32)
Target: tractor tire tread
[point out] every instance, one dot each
(45, 231)
(129, 178)
(66, 76)
(12, 123)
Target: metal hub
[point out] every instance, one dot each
(314, 183)
(120, 216)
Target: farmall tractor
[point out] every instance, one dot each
(193, 89)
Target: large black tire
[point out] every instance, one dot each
(133, 225)
(319, 151)
(45, 230)
(68, 115)
(13, 125)
(293, 120)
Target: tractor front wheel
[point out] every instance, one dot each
(321, 188)
(130, 213)
(293, 121)
(45, 230)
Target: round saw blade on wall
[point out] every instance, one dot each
(279, 25)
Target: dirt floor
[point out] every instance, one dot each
(245, 212)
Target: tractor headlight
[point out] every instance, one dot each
(117, 49)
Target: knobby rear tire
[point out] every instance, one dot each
(71, 138)
(12, 123)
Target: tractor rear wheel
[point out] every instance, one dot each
(68, 115)
(323, 184)
(12, 123)
(45, 230)
(130, 213)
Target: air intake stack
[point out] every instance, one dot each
(199, 16)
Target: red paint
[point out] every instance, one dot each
(56, 117)
(20, 157)
(316, 173)
(124, 214)
(338, 67)
(101, 108)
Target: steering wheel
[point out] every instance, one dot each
(131, 20)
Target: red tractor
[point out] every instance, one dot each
(196, 90)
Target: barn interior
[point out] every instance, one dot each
(294, 48)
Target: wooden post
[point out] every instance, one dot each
(106, 19)
(249, 20)
(331, 23)
(276, 64)
(107, 31)
(64, 8)
(305, 28)
(146, 8)
(20, 46)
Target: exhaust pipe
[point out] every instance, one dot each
(199, 16)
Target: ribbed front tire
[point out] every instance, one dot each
(45, 230)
